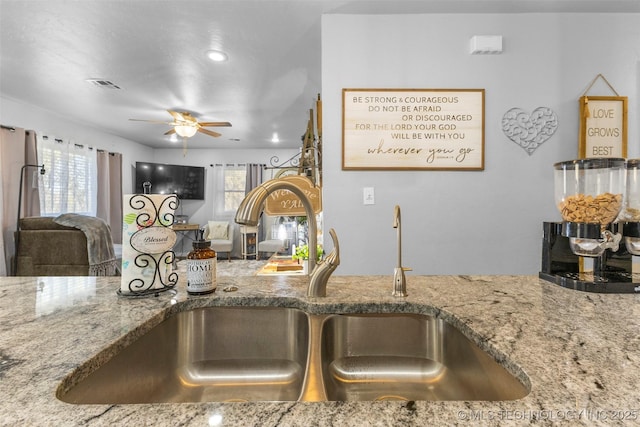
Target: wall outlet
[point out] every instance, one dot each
(368, 196)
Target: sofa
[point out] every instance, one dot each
(47, 248)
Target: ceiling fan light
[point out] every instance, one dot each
(217, 56)
(186, 131)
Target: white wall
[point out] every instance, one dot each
(483, 222)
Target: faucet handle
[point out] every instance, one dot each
(334, 256)
(320, 275)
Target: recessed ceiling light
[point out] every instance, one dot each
(217, 56)
(275, 138)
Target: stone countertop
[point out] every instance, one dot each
(580, 352)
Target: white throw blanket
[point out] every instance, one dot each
(102, 259)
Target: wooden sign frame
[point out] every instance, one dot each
(286, 203)
(413, 129)
(603, 126)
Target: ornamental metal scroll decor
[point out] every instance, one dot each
(527, 130)
(156, 254)
(140, 287)
(163, 214)
(293, 161)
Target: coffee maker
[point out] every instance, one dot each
(596, 247)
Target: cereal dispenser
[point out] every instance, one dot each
(589, 195)
(630, 215)
(585, 250)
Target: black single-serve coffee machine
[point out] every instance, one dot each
(596, 247)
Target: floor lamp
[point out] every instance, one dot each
(17, 237)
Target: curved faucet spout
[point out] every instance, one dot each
(397, 223)
(248, 213)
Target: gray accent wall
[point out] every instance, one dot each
(457, 222)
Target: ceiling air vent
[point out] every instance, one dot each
(104, 84)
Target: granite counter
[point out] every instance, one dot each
(579, 352)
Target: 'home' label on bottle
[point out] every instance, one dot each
(201, 275)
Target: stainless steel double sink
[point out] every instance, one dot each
(241, 354)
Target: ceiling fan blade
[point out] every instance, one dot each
(177, 116)
(170, 131)
(209, 132)
(227, 124)
(150, 121)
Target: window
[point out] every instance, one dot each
(70, 182)
(234, 183)
(230, 189)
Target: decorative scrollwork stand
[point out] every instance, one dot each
(152, 241)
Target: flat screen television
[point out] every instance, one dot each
(185, 181)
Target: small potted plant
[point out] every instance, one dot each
(301, 254)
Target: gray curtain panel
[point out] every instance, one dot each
(254, 176)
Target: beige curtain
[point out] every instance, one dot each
(31, 195)
(17, 148)
(109, 192)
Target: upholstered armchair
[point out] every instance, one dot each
(220, 233)
(270, 246)
(272, 243)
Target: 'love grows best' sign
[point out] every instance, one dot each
(603, 126)
(414, 129)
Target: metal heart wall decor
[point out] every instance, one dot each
(529, 131)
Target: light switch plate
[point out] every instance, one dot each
(368, 196)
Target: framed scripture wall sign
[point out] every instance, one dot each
(413, 129)
(603, 126)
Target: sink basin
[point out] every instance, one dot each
(408, 357)
(230, 354)
(243, 354)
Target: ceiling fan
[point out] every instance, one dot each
(185, 125)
